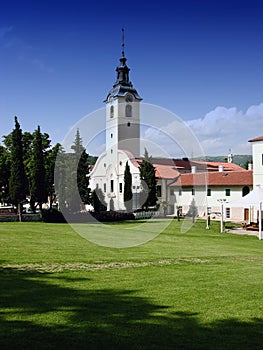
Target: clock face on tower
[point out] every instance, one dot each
(129, 98)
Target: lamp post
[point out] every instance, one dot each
(260, 222)
(222, 201)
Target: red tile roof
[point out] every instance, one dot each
(165, 171)
(171, 168)
(226, 178)
(259, 138)
(168, 168)
(213, 166)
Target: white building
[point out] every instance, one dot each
(257, 155)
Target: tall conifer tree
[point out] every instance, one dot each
(149, 182)
(17, 180)
(38, 190)
(128, 188)
(82, 167)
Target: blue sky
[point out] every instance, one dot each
(202, 60)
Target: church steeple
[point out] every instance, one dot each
(123, 85)
(123, 70)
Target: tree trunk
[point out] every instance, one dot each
(19, 212)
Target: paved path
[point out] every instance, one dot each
(240, 231)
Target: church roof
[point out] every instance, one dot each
(168, 168)
(123, 85)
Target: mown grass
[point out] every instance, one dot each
(197, 290)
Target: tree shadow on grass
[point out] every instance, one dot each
(40, 312)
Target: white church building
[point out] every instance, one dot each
(179, 180)
(122, 141)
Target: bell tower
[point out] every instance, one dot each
(122, 113)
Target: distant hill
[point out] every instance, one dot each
(240, 159)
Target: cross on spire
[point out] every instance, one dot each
(122, 44)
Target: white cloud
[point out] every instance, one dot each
(218, 131)
(224, 128)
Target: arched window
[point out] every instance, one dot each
(245, 191)
(128, 111)
(111, 111)
(128, 124)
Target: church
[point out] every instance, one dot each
(178, 180)
(122, 141)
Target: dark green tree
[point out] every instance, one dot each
(82, 167)
(38, 188)
(50, 162)
(97, 200)
(149, 181)
(127, 188)
(60, 178)
(4, 175)
(76, 176)
(17, 180)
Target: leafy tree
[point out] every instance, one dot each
(97, 200)
(50, 161)
(38, 190)
(4, 174)
(17, 180)
(128, 188)
(149, 182)
(60, 177)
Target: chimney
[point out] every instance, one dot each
(250, 166)
(193, 169)
(221, 168)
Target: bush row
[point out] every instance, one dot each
(25, 217)
(82, 217)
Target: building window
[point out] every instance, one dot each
(112, 185)
(104, 165)
(129, 124)
(104, 187)
(262, 159)
(128, 111)
(209, 192)
(228, 213)
(159, 191)
(120, 187)
(228, 192)
(111, 111)
(111, 151)
(111, 136)
(245, 191)
(180, 192)
(193, 191)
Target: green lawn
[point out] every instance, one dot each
(195, 290)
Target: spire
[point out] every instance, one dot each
(123, 70)
(122, 85)
(122, 44)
